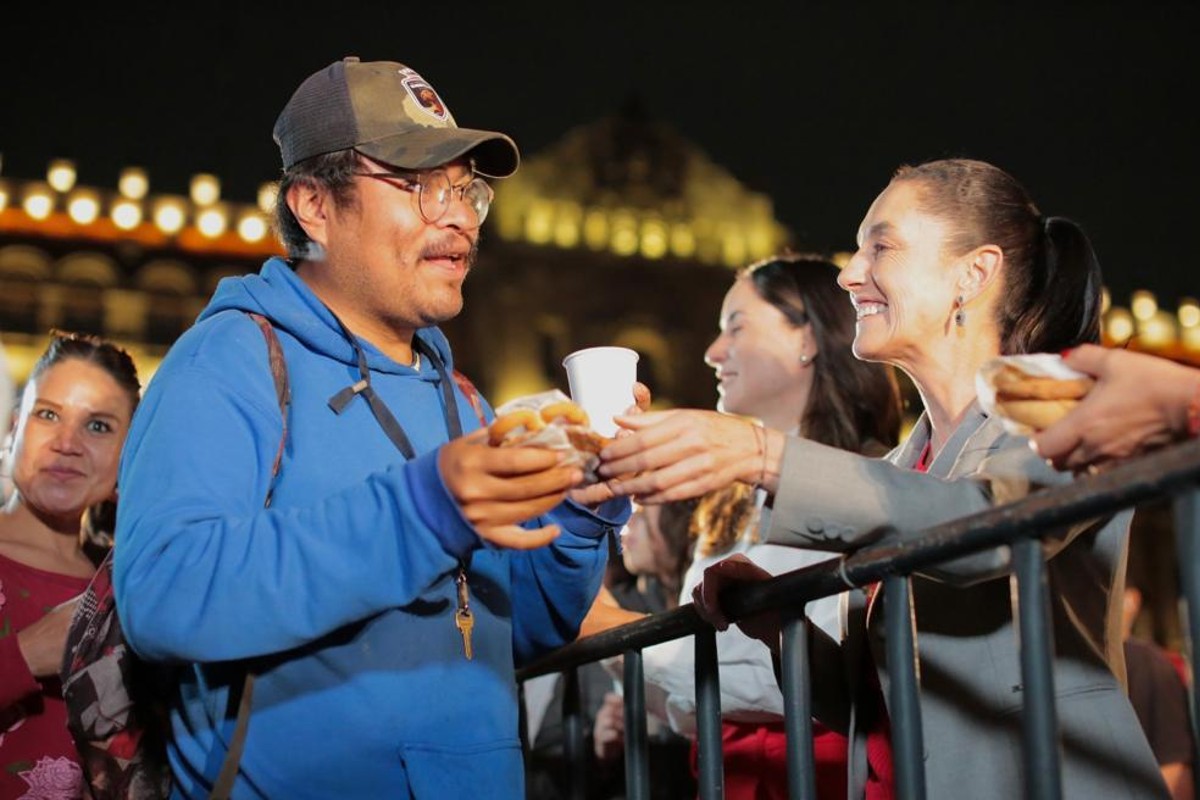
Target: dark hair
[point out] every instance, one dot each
(331, 171)
(853, 405)
(851, 402)
(94, 350)
(1052, 282)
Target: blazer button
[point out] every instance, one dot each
(814, 525)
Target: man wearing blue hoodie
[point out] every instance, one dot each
(346, 596)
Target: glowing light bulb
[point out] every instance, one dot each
(205, 189)
(61, 175)
(1189, 312)
(1119, 323)
(83, 207)
(168, 216)
(1143, 305)
(266, 196)
(127, 214)
(133, 183)
(252, 227)
(212, 222)
(38, 202)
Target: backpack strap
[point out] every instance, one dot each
(472, 394)
(223, 787)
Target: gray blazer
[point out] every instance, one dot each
(970, 673)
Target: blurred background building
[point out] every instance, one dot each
(621, 233)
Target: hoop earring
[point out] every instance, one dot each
(960, 313)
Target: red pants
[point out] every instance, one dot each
(755, 760)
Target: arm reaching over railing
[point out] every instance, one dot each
(1140, 402)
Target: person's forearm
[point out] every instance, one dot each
(603, 617)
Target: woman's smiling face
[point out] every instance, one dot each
(72, 424)
(758, 357)
(899, 280)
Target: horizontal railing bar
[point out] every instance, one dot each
(1164, 472)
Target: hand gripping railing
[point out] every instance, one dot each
(1173, 472)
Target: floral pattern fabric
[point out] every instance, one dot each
(38, 759)
(53, 779)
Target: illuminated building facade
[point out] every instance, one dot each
(621, 233)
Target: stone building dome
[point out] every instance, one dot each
(633, 186)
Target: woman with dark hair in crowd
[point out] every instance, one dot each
(783, 358)
(955, 265)
(63, 451)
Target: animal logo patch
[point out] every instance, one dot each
(423, 94)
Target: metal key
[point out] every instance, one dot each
(464, 620)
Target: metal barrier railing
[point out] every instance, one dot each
(1171, 472)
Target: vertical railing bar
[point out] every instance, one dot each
(797, 706)
(710, 777)
(573, 735)
(1039, 720)
(1187, 536)
(637, 768)
(904, 707)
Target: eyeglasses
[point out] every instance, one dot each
(435, 191)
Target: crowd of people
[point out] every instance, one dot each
(340, 578)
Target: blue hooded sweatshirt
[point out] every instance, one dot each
(341, 593)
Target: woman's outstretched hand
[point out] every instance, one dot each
(681, 454)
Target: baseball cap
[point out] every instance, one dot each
(387, 111)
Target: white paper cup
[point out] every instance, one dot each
(601, 381)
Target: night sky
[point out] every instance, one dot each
(1092, 106)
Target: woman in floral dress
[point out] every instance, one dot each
(63, 452)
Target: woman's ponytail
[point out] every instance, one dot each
(1062, 309)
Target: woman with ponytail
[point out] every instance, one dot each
(955, 265)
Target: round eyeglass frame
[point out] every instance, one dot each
(435, 191)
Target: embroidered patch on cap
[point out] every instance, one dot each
(423, 94)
